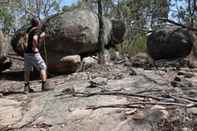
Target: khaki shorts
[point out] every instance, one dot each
(34, 60)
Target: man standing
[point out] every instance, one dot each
(32, 57)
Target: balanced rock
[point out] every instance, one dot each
(73, 33)
(169, 43)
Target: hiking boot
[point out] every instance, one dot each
(46, 86)
(27, 88)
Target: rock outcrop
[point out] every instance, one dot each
(5, 62)
(73, 33)
(169, 43)
(104, 98)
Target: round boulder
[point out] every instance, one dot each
(169, 43)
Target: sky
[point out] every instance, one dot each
(68, 2)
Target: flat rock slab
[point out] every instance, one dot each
(63, 110)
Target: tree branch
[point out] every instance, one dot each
(26, 10)
(178, 24)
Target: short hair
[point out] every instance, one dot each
(35, 22)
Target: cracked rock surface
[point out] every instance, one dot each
(101, 98)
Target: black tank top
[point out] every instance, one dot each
(31, 32)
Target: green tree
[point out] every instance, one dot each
(39, 8)
(13, 16)
(185, 12)
(6, 19)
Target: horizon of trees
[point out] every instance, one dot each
(140, 16)
(138, 13)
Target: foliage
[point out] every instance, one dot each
(6, 20)
(137, 45)
(14, 16)
(40, 8)
(185, 11)
(139, 16)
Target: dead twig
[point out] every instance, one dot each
(179, 99)
(16, 58)
(137, 105)
(188, 98)
(148, 90)
(81, 94)
(92, 107)
(142, 30)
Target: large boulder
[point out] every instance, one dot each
(194, 49)
(169, 43)
(5, 62)
(72, 33)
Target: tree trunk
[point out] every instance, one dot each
(192, 9)
(101, 43)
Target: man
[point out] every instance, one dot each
(32, 57)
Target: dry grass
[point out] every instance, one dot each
(135, 46)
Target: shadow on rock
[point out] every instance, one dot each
(17, 75)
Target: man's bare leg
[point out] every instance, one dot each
(43, 75)
(45, 84)
(27, 88)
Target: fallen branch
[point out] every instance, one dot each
(81, 94)
(16, 58)
(137, 105)
(148, 90)
(179, 99)
(114, 106)
(142, 30)
(188, 98)
(152, 80)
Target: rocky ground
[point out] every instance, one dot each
(116, 97)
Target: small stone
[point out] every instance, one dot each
(131, 112)
(162, 109)
(158, 107)
(186, 129)
(99, 81)
(138, 116)
(68, 91)
(193, 110)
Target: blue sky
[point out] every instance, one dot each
(68, 2)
